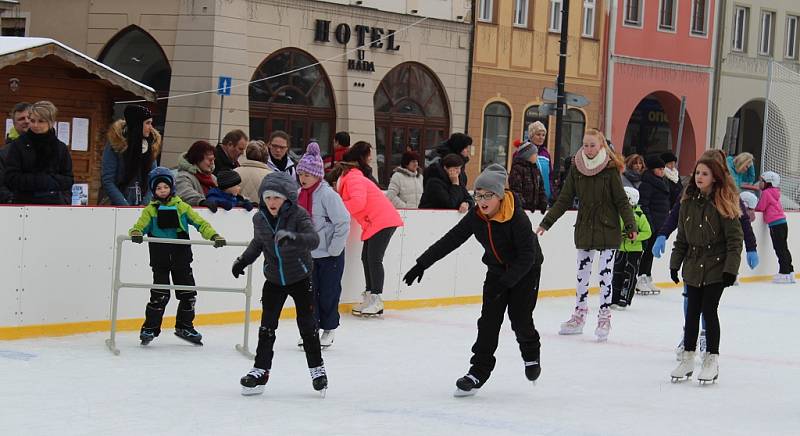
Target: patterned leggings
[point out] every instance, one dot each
(585, 259)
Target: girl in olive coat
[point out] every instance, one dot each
(594, 180)
(708, 246)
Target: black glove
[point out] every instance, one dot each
(728, 279)
(219, 241)
(248, 206)
(227, 205)
(284, 236)
(238, 267)
(137, 237)
(674, 274)
(210, 204)
(415, 272)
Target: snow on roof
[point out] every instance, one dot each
(14, 44)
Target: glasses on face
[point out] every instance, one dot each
(484, 197)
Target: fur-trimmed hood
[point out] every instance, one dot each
(116, 137)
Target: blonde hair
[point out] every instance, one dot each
(633, 159)
(615, 160)
(45, 110)
(536, 126)
(742, 162)
(724, 194)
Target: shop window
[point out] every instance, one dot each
(496, 126)
(411, 113)
(300, 103)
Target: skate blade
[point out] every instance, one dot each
(323, 392)
(199, 343)
(707, 382)
(569, 333)
(258, 390)
(602, 338)
(460, 394)
(369, 315)
(681, 379)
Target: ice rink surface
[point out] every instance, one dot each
(396, 376)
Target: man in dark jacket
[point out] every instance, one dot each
(445, 191)
(514, 259)
(655, 202)
(226, 155)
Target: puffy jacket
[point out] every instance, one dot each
(654, 198)
(510, 247)
(331, 221)
(405, 189)
(188, 187)
(644, 232)
(252, 173)
(148, 222)
(39, 169)
(443, 194)
(291, 262)
(749, 176)
(113, 168)
(707, 244)
(770, 204)
(526, 181)
(367, 204)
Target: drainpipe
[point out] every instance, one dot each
(612, 41)
(469, 62)
(716, 74)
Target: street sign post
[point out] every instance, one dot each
(223, 89)
(574, 100)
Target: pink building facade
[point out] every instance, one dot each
(659, 52)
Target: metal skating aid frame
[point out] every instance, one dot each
(117, 285)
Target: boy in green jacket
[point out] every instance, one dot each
(626, 260)
(167, 216)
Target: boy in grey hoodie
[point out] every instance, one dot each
(284, 233)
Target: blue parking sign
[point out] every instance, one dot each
(224, 85)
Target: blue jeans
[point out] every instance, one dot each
(326, 281)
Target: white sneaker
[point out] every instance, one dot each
(685, 368)
(326, 339)
(356, 310)
(574, 326)
(373, 305)
(710, 370)
(603, 325)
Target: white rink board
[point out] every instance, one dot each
(68, 255)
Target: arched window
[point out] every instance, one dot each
(572, 135)
(496, 125)
(300, 103)
(138, 55)
(411, 112)
(533, 114)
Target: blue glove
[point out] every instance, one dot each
(659, 246)
(752, 259)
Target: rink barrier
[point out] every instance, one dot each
(118, 284)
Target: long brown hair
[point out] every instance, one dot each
(723, 191)
(615, 160)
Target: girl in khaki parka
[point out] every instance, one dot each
(594, 180)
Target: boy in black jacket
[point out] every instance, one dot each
(285, 234)
(514, 258)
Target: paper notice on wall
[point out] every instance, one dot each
(80, 194)
(62, 131)
(80, 134)
(9, 125)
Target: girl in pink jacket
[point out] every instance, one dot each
(770, 204)
(378, 219)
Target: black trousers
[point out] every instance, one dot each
(273, 298)
(626, 270)
(519, 301)
(705, 301)
(166, 260)
(646, 262)
(779, 235)
(372, 259)
(326, 280)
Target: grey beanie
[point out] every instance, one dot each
(527, 151)
(493, 179)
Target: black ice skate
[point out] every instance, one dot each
(532, 370)
(467, 386)
(190, 335)
(253, 383)
(319, 379)
(147, 335)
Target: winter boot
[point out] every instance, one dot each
(356, 310)
(253, 383)
(710, 370)
(467, 386)
(319, 379)
(574, 326)
(146, 335)
(326, 339)
(373, 306)
(603, 325)
(533, 370)
(190, 335)
(685, 368)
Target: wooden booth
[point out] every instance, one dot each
(83, 90)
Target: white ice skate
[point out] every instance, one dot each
(356, 310)
(679, 350)
(783, 279)
(603, 325)
(574, 326)
(653, 289)
(710, 370)
(373, 306)
(642, 288)
(326, 339)
(685, 368)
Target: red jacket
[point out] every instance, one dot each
(367, 204)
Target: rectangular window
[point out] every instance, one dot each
(633, 12)
(666, 15)
(589, 18)
(741, 19)
(521, 13)
(12, 26)
(699, 17)
(485, 9)
(791, 36)
(765, 37)
(555, 15)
